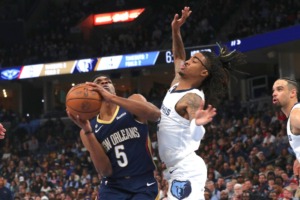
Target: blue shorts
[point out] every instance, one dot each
(142, 187)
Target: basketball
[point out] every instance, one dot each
(83, 102)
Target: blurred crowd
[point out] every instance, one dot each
(53, 34)
(245, 148)
(246, 152)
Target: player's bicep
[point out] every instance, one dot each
(295, 121)
(193, 102)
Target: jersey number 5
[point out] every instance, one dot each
(121, 156)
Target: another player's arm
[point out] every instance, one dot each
(178, 49)
(2, 131)
(135, 104)
(193, 105)
(138, 106)
(295, 121)
(97, 153)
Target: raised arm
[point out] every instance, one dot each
(135, 104)
(177, 43)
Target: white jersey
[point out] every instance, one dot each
(174, 138)
(294, 139)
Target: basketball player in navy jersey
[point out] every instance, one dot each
(2, 131)
(119, 145)
(184, 112)
(285, 96)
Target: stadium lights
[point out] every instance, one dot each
(116, 17)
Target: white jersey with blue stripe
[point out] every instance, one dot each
(174, 137)
(294, 139)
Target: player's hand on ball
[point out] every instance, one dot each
(81, 123)
(106, 92)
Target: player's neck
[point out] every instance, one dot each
(286, 110)
(107, 110)
(185, 85)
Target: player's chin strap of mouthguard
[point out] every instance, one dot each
(196, 131)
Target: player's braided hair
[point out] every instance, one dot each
(219, 67)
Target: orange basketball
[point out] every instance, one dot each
(83, 102)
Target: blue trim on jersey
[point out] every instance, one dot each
(173, 90)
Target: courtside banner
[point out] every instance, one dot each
(127, 61)
(84, 65)
(10, 73)
(265, 40)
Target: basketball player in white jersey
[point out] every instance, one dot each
(184, 112)
(2, 131)
(285, 96)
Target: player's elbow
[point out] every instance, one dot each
(106, 172)
(155, 115)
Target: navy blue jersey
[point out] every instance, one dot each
(126, 142)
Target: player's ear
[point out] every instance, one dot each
(204, 72)
(293, 93)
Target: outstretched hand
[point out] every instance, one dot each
(178, 22)
(2, 131)
(202, 116)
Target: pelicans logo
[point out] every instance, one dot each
(10, 74)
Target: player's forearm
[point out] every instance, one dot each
(177, 45)
(97, 153)
(139, 108)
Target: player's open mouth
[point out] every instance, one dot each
(275, 101)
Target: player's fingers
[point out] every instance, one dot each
(175, 16)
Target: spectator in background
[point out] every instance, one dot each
(229, 189)
(215, 193)
(224, 195)
(238, 191)
(5, 193)
(226, 171)
(288, 193)
(220, 184)
(262, 187)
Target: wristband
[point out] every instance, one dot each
(88, 132)
(197, 132)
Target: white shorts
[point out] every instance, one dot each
(187, 179)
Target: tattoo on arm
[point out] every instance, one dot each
(193, 103)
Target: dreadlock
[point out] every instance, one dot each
(219, 67)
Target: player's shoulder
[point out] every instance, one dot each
(295, 112)
(191, 99)
(195, 93)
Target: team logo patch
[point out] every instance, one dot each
(181, 189)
